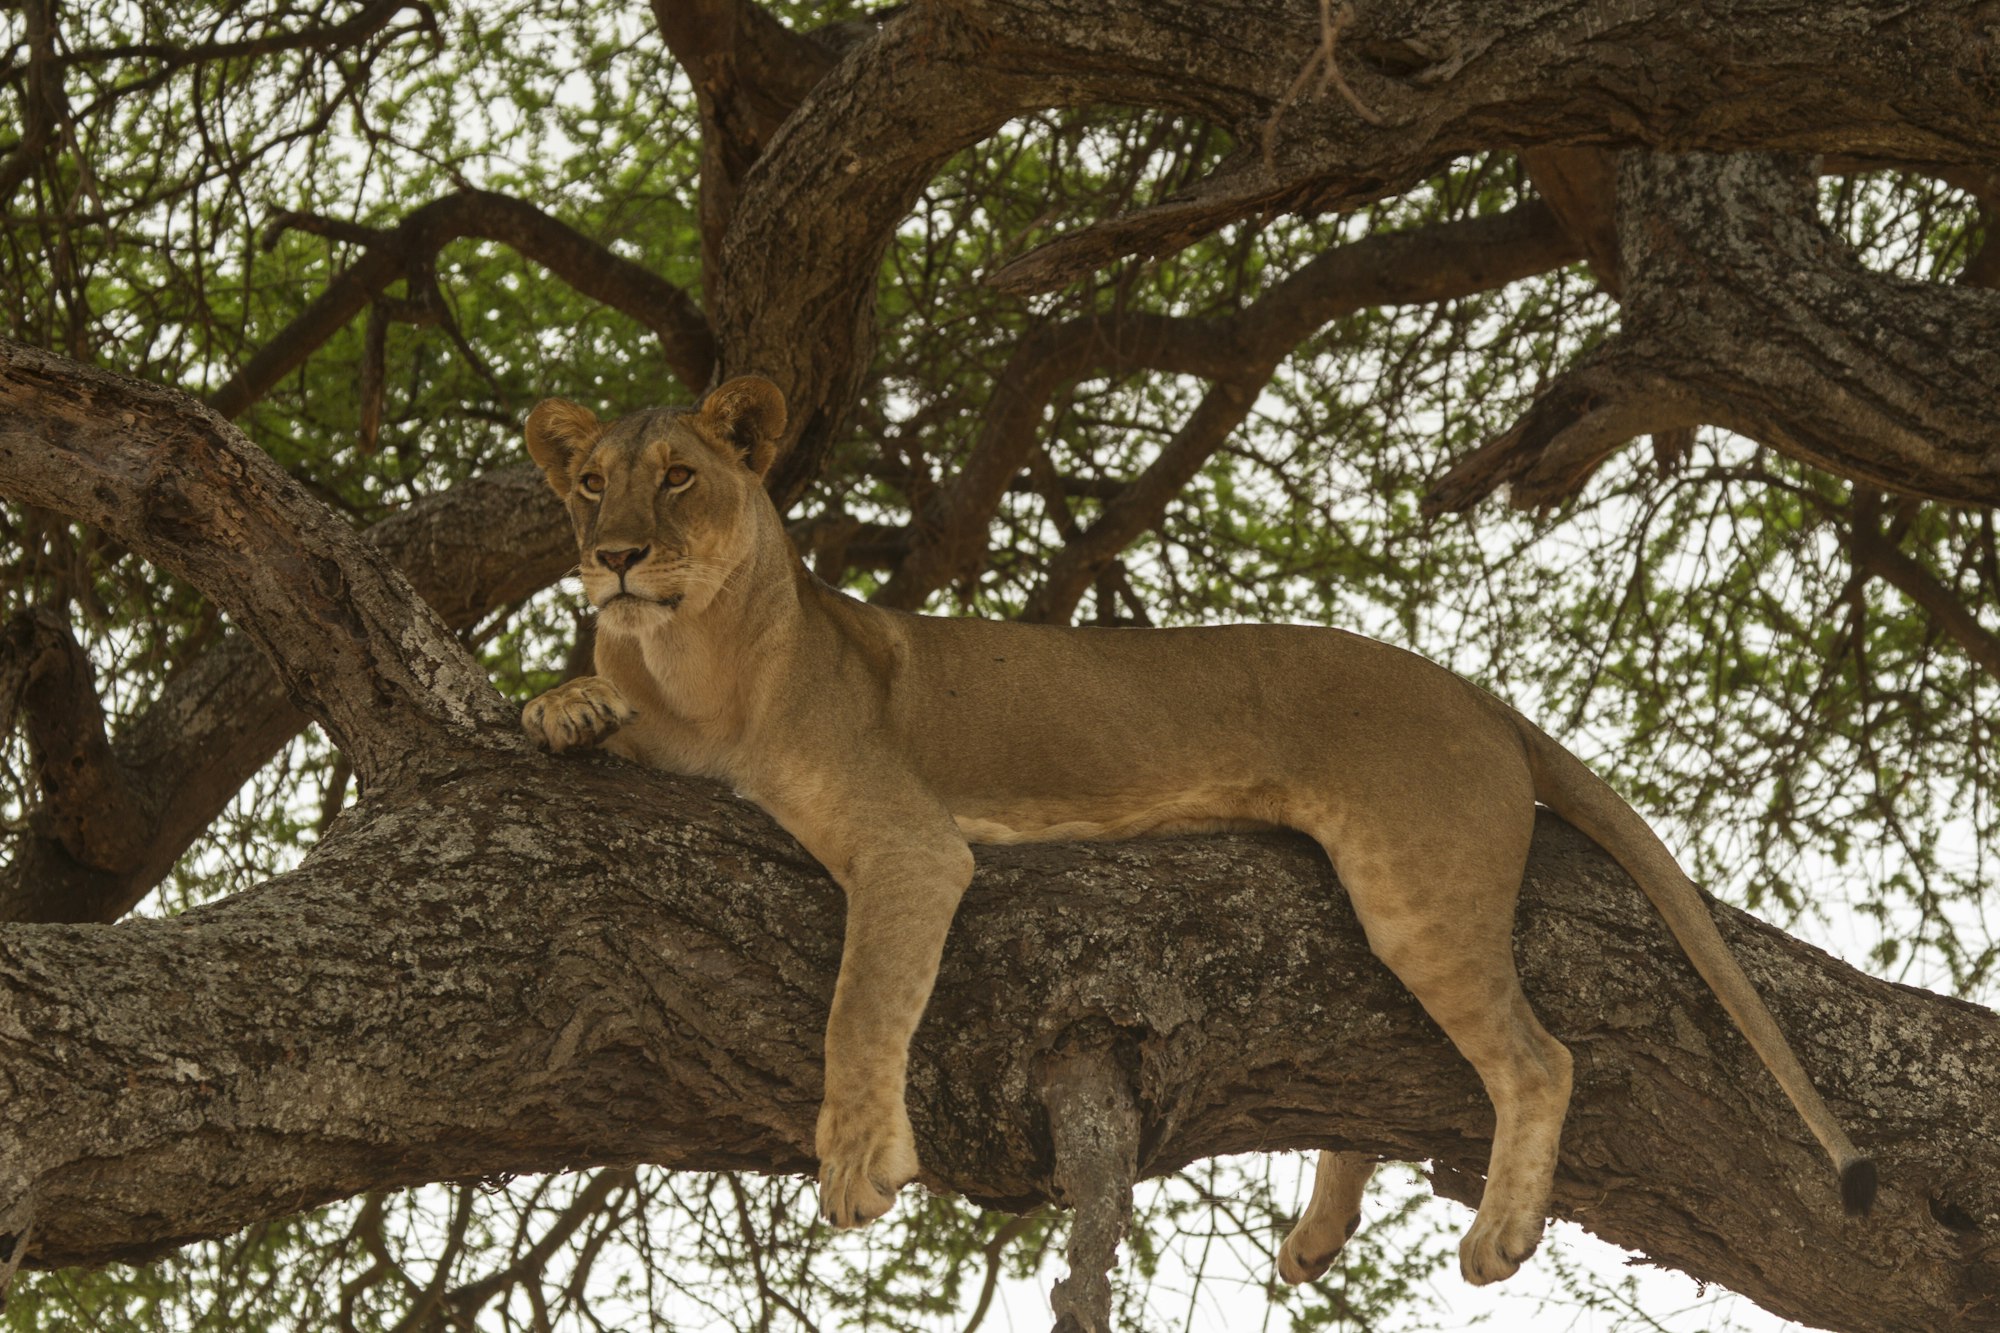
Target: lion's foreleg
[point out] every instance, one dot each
(903, 878)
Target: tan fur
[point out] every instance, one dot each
(885, 742)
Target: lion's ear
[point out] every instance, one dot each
(749, 413)
(558, 433)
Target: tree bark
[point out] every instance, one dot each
(473, 977)
(1741, 309)
(1908, 83)
(145, 463)
(357, 650)
(792, 287)
(469, 551)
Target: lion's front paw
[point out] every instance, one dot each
(865, 1156)
(575, 713)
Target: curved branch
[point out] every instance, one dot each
(792, 289)
(1448, 79)
(390, 254)
(527, 1001)
(1741, 310)
(182, 488)
(1435, 263)
(749, 73)
(483, 545)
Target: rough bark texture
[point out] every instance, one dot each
(792, 287)
(1915, 83)
(183, 489)
(468, 552)
(1741, 309)
(648, 982)
(542, 991)
(1094, 1128)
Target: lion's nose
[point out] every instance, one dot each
(621, 560)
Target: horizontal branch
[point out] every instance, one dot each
(1442, 80)
(182, 488)
(533, 997)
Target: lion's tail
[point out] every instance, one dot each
(1568, 787)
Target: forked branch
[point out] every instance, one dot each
(181, 487)
(469, 551)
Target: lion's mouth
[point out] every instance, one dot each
(669, 602)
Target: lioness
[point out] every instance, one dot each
(886, 742)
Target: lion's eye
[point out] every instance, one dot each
(678, 476)
(590, 483)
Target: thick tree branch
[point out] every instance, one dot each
(1741, 310)
(749, 72)
(1453, 78)
(792, 294)
(483, 545)
(1436, 263)
(184, 490)
(793, 283)
(534, 997)
(393, 254)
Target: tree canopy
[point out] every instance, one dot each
(1637, 362)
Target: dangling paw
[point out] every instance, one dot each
(1330, 1218)
(865, 1156)
(1499, 1243)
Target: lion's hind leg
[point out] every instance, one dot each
(1441, 916)
(1331, 1216)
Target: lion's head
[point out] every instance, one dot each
(662, 501)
